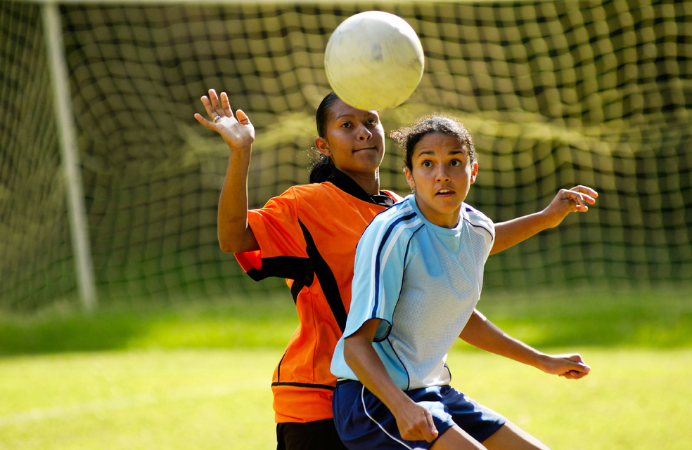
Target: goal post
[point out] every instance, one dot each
(70, 156)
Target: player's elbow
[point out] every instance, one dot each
(238, 242)
(355, 347)
(350, 353)
(228, 244)
(226, 248)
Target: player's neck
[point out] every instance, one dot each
(370, 182)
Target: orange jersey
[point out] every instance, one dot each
(308, 235)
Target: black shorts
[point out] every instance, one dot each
(318, 435)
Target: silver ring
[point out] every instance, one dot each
(216, 119)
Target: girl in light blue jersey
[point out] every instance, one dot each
(418, 276)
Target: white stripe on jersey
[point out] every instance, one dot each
(392, 241)
(380, 233)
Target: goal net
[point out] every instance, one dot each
(555, 93)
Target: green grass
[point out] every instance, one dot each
(243, 323)
(151, 399)
(198, 375)
(627, 319)
(220, 398)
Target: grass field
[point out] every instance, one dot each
(197, 375)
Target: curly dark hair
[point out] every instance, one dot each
(407, 137)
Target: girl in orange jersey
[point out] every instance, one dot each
(308, 235)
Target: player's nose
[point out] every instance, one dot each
(441, 174)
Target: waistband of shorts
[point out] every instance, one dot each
(341, 381)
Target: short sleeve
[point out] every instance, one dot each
(482, 224)
(378, 274)
(278, 232)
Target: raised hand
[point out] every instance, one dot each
(237, 133)
(567, 201)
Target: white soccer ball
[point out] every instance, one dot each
(374, 60)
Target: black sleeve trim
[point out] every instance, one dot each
(327, 280)
(305, 385)
(303, 271)
(291, 267)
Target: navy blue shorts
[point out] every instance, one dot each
(364, 422)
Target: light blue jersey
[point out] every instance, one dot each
(423, 281)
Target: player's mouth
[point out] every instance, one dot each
(444, 192)
(356, 150)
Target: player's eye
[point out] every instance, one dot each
(455, 163)
(346, 125)
(427, 164)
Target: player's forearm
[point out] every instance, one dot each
(369, 369)
(566, 201)
(234, 233)
(512, 232)
(483, 334)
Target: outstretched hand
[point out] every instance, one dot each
(569, 200)
(238, 133)
(570, 366)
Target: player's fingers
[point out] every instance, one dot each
(430, 433)
(585, 190)
(585, 196)
(575, 357)
(575, 375)
(205, 122)
(226, 105)
(574, 197)
(207, 105)
(215, 103)
(580, 365)
(242, 117)
(578, 199)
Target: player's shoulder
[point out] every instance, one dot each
(313, 193)
(477, 218)
(402, 216)
(305, 190)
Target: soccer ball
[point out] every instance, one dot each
(374, 60)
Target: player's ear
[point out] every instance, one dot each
(409, 178)
(474, 171)
(322, 146)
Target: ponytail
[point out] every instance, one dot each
(321, 169)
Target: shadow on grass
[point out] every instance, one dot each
(550, 319)
(247, 323)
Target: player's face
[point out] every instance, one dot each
(441, 175)
(355, 139)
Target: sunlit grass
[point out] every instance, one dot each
(632, 399)
(198, 375)
(220, 398)
(173, 399)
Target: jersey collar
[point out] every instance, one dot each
(346, 184)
